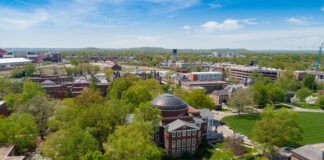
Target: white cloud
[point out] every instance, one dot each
(296, 20)
(322, 9)
(249, 21)
(214, 5)
(228, 24)
(14, 20)
(186, 27)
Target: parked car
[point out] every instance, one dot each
(235, 111)
(287, 148)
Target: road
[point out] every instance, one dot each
(303, 109)
(227, 132)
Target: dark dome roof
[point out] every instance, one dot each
(168, 102)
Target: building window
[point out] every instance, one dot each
(173, 134)
(173, 143)
(179, 143)
(194, 132)
(178, 134)
(188, 142)
(189, 133)
(173, 153)
(183, 143)
(193, 141)
(178, 152)
(189, 150)
(183, 133)
(193, 150)
(156, 138)
(199, 133)
(183, 150)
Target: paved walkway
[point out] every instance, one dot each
(295, 108)
(227, 132)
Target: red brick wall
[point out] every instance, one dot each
(3, 110)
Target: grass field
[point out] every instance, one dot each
(311, 122)
(307, 106)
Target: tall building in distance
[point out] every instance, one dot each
(174, 52)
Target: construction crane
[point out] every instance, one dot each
(319, 57)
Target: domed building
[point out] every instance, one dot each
(182, 127)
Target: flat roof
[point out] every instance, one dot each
(206, 73)
(14, 60)
(204, 82)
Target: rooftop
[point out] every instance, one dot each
(178, 124)
(5, 150)
(169, 102)
(14, 60)
(312, 151)
(206, 73)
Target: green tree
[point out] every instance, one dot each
(287, 81)
(136, 95)
(16, 73)
(20, 130)
(118, 86)
(131, 141)
(12, 101)
(219, 155)
(71, 144)
(30, 90)
(320, 101)
(74, 62)
(42, 109)
(89, 97)
(301, 94)
(96, 155)
(260, 94)
(97, 120)
(29, 69)
(198, 99)
(276, 128)
(93, 83)
(108, 73)
(241, 99)
(276, 94)
(309, 82)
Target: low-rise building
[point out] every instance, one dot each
(220, 96)
(9, 62)
(308, 152)
(9, 152)
(182, 127)
(244, 72)
(114, 67)
(209, 86)
(205, 76)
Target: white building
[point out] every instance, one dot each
(8, 62)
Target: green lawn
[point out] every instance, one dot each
(307, 106)
(312, 124)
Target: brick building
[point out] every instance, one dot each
(52, 78)
(205, 76)
(244, 72)
(3, 109)
(220, 96)
(64, 86)
(181, 128)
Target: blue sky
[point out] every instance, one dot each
(250, 24)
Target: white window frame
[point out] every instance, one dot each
(174, 134)
(173, 152)
(178, 143)
(179, 134)
(194, 132)
(184, 143)
(188, 142)
(173, 143)
(178, 152)
(189, 133)
(184, 133)
(193, 150)
(193, 142)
